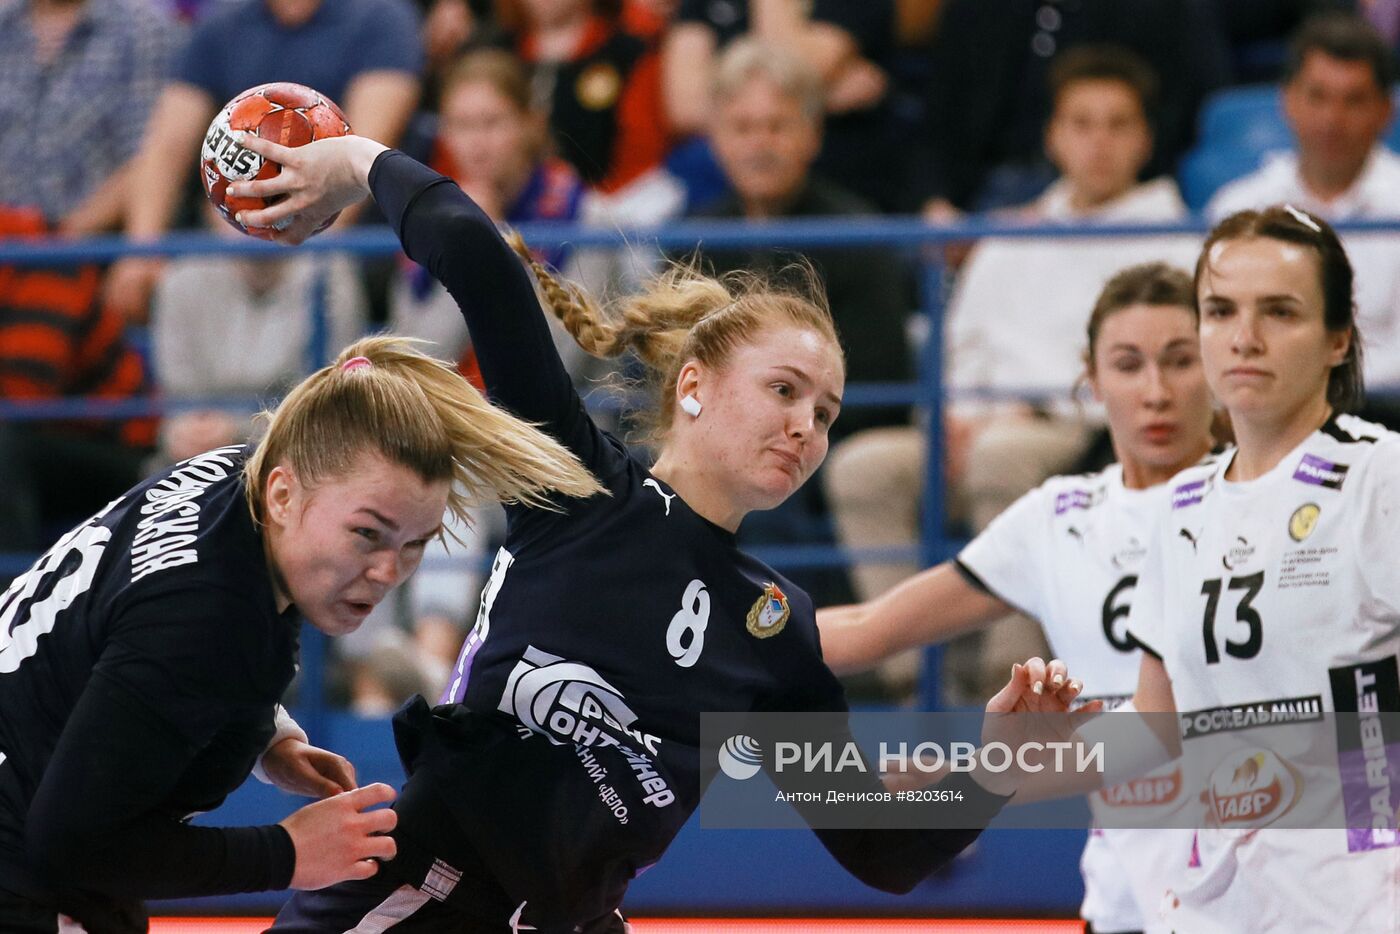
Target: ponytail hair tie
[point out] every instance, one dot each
(354, 363)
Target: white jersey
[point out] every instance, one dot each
(1068, 553)
(1270, 599)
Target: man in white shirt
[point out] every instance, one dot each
(1336, 98)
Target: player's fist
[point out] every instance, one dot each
(338, 838)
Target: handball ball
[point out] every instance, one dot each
(286, 113)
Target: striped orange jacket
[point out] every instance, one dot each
(57, 341)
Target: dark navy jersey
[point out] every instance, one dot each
(569, 753)
(141, 660)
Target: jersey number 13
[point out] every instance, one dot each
(1245, 615)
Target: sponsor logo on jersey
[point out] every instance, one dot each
(1238, 553)
(1368, 758)
(1315, 470)
(1074, 499)
(660, 492)
(569, 702)
(769, 614)
(1130, 555)
(1303, 521)
(1190, 537)
(1252, 787)
(1189, 494)
(1195, 723)
(1148, 791)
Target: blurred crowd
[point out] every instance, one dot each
(627, 114)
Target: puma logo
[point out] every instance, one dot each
(1186, 534)
(659, 492)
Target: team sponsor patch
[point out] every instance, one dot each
(1189, 494)
(1252, 788)
(1369, 758)
(1073, 499)
(1152, 790)
(1196, 723)
(770, 614)
(1303, 521)
(1315, 470)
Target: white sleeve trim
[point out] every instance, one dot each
(286, 728)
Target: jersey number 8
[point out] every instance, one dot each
(690, 620)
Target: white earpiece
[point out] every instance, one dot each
(690, 406)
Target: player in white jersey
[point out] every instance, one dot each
(1068, 554)
(1271, 588)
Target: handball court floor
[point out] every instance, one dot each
(712, 926)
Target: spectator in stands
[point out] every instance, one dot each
(848, 43)
(365, 55)
(1337, 100)
(766, 133)
(493, 141)
(602, 79)
(987, 95)
(229, 327)
(77, 81)
(57, 341)
(1010, 328)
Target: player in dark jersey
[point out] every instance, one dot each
(566, 754)
(142, 657)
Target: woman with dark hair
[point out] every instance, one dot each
(1264, 589)
(1068, 552)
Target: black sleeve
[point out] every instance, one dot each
(96, 817)
(445, 232)
(897, 860)
(893, 860)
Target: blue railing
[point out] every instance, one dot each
(908, 235)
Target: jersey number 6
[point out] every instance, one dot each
(690, 621)
(1251, 584)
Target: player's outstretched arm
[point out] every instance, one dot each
(928, 608)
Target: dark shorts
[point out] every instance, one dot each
(437, 883)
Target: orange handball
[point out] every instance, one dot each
(286, 113)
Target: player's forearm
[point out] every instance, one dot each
(101, 815)
(928, 608)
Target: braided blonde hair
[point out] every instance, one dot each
(419, 413)
(683, 315)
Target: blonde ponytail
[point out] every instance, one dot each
(682, 315)
(417, 412)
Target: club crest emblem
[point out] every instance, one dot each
(770, 613)
(1303, 521)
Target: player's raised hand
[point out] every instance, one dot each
(338, 838)
(317, 181)
(1039, 687)
(1031, 710)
